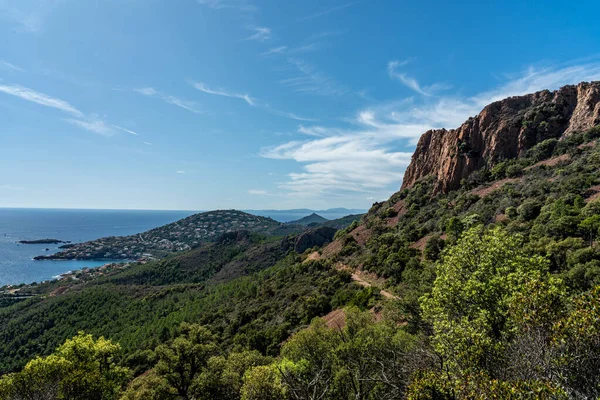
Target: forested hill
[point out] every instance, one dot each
(485, 288)
(181, 235)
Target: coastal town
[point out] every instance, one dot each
(179, 236)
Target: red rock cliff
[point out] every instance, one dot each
(503, 129)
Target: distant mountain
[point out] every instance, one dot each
(297, 213)
(312, 219)
(181, 235)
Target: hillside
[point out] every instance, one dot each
(181, 235)
(503, 130)
(254, 290)
(479, 278)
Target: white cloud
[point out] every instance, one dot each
(257, 192)
(289, 115)
(29, 15)
(12, 66)
(311, 81)
(365, 157)
(239, 5)
(11, 187)
(90, 123)
(249, 100)
(411, 82)
(125, 130)
(261, 33)
(221, 92)
(147, 143)
(40, 98)
(176, 101)
(275, 50)
(181, 172)
(93, 125)
(147, 91)
(326, 12)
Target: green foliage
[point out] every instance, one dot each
(542, 150)
(468, 305)
(263, 383)
(363, 359)
(81, 368)
(434, 248)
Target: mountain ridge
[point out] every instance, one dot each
(504, 129)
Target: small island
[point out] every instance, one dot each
(42, 241)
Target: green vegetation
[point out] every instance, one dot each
(82, 368)
(497, 285)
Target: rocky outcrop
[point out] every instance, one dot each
(314, 237)
(504, 129)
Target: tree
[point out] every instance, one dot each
(468, 305)
(223, 376)
(434, 248)
(578, 339)
(149, 386)
(590, 226)
(308, 364)
(81, 368)
(263, 383)
(454, 228)
(181, 360)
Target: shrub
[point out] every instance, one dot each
(529, 209)
(514, 170)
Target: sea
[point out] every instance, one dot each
(75, 225)
(16, 260)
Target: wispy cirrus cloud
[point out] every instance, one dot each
(11, 66)
(239, 5)
(411, 82)
(308, 79)
(275, 50)
(261, 33)
(305, 48)
(29, 15)
(125, 130)
(251, 101)
(222, 92)
(258, 192)
(93, 125)
(11, 187)
(40, 98)
(327, 11)
(176, 101)
(371, 153)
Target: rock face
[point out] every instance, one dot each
(504, 129)
(314, 237)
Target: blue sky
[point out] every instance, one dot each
(203, 104)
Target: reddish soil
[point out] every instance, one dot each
(421, 243)
(401, 210)
(501, 218)
(550, 162)
(332, 249)
(594, 193)
(486, 190)
(335, 319)
(313, 256)
(58, 291)
(361, 234)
